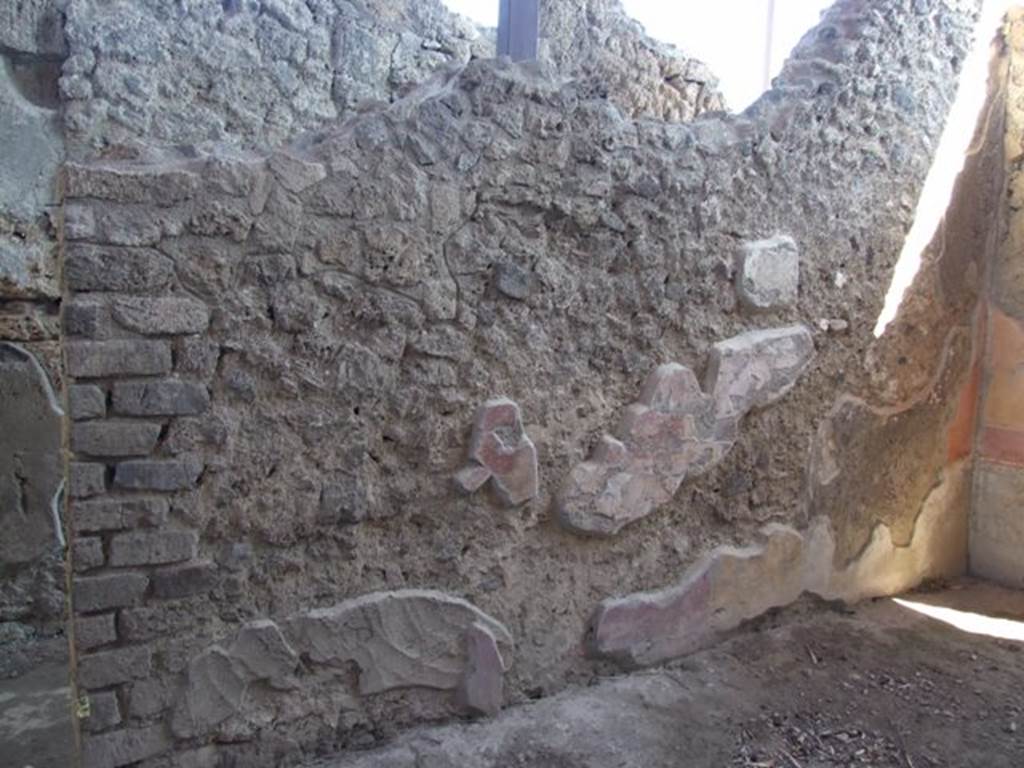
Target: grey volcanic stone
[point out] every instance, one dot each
(156, 316)
(768, 273)
(157, 475)
(124, 747)
(112, 590)
(184, 580)
(105, 668)
(87, 401)
(94, 631)
(86, 479)
(153, 547)
(115, 514)
(101, 268)
(114, 438)
(97, 359)
(160, 398)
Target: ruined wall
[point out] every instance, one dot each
(258, 72)
(100, 77)
(387, 425)
(997, 524)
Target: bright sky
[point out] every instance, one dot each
(729, 35)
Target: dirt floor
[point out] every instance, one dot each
(813, 686)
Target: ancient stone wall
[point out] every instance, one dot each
(258, 72)
(472, 396)
(84, 77)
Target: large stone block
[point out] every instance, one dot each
(768, 273)
(160, 398)
(115, 514)
(86, 401)
(124, 747)
(121, 665)
(98, 359)
(104, 712)
(30, 459)
(86, 479)
(115, 438)
(126, 270)
(94, 631)
(114, 590)
(153, 548)
(157, 475)
(184, 580)
(161, 316)
(86, 553)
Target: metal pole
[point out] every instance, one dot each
(518, 29)
(769, 42)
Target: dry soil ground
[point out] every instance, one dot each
(813, 686)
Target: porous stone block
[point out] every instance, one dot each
(94, 631)
(127, 270)
(512, 281)
(768, 273)
(115, 514)
(184, 580)
(158, 619)
(86, 401)
(124, 747)
(160, 398)
(104, 712)
(156, 475)
(97, 359)
(114, 438)
(161, 316)
(113, 590)
(121, 665)
(86, 480)
(153, 548)
(87, 553)
(86, 318)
